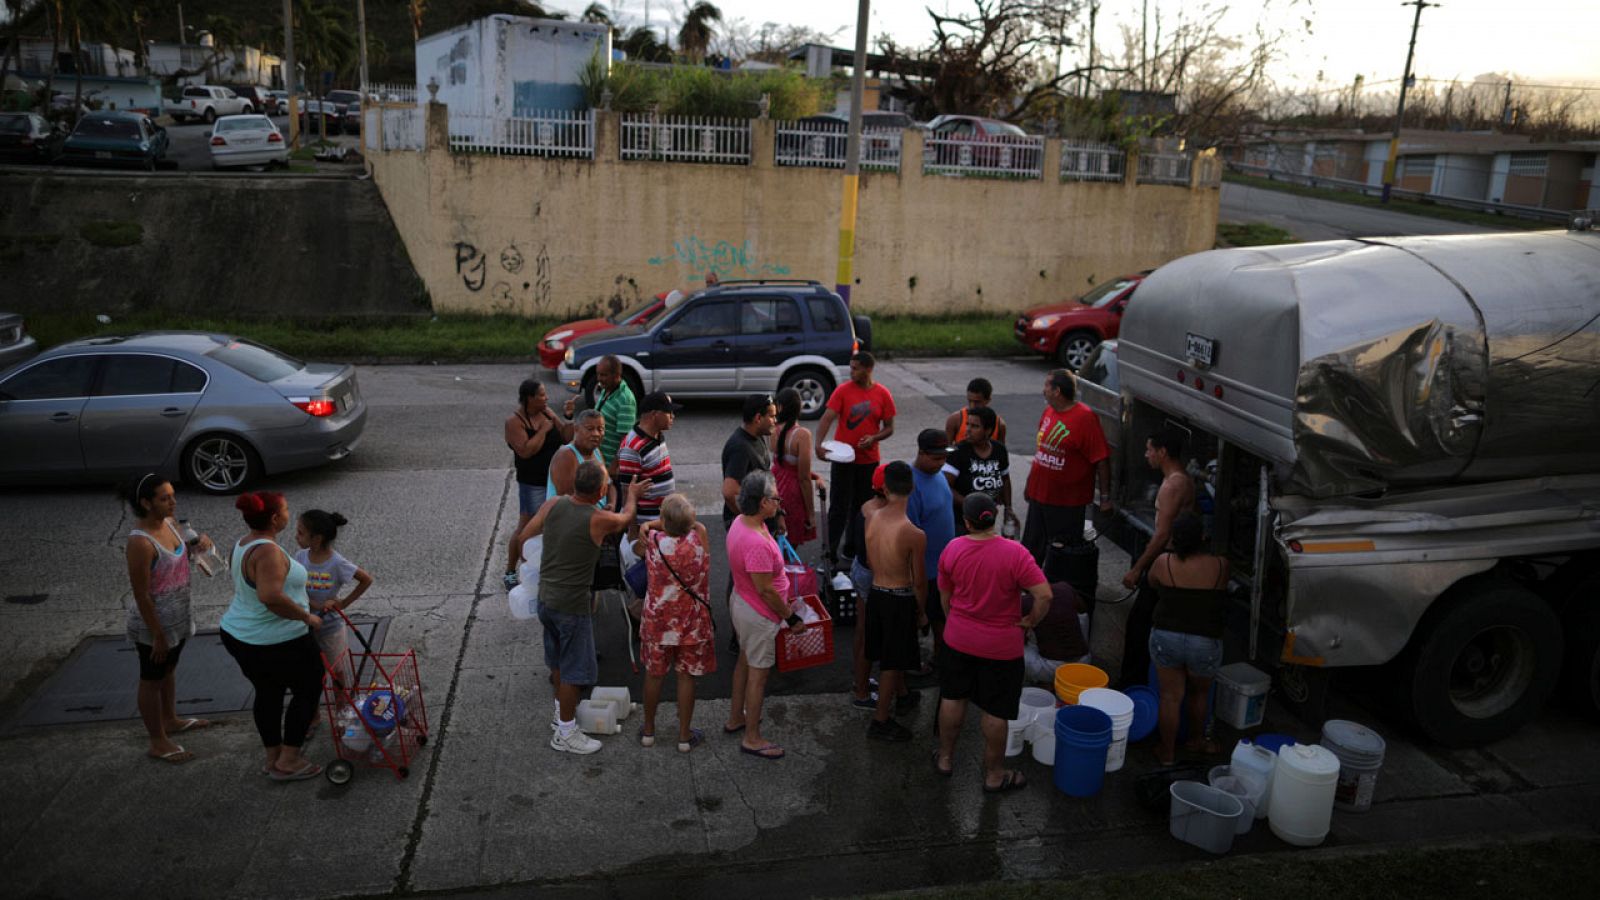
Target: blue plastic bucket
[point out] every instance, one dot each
(1146, 707)
(1083, 735)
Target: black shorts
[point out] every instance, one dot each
(892, 629)
(153, 671)
(995, 685)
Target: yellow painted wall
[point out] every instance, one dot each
(558, 237)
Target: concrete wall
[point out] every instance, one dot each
(308, 247)
(541, 236)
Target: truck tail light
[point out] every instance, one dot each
(316, 407)
(218, 141)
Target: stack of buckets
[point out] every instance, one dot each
(1073, 679)
(1083, 734)
(1119, 708)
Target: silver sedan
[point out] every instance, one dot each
(247, 141)
(218, 411)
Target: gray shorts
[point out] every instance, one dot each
(1199, 656)
(758, 635)
(569, 646)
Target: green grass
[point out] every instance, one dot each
(108, 233)
(967, 335)
(1254, 234)
(1543, 868)
(1414, 207)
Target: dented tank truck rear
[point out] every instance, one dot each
(1397, 442)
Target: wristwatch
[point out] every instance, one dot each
(793, 618)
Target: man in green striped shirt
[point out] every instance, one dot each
(614, 400)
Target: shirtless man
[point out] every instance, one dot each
(897, 606)
(1164, 452)
(861, 579)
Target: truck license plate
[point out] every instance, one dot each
(102, 154)
(1202, 350)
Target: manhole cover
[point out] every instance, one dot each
(97, 683)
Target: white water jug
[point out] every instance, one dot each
(1256, 763)
(1303, 785)
(597, 718)
(618, 697)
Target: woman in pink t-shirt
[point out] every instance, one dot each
(758, 607)
(981, 580)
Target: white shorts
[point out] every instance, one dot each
(758, 635)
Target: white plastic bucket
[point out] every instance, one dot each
(1241, 698)
(1303, 783)
(1203, 816)
(1119, 707)
(1244, 787)
(1014, 736)
(1360, 751)
(1043, 743)
(1036, 704)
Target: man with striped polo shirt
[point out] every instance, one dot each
(643, 455)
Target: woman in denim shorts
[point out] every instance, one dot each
(1186, 640)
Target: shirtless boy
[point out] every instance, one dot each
(897, 605)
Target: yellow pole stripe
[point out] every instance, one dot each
(847, 230)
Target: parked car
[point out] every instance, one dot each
(553, 346)
(316, 113)
(729, 340)
(15, 342)
(29, 138)
(113, 138)
(247, 141)
(350, 120)
(981, 142)
(206, 102)
(1069, 331)
(280, 103)
(342, 99)
(217, 410)
(880, 135)
(258, 97)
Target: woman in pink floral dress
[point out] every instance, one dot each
(676, 630)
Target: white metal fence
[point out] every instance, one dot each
(563, 133)
(1164, 168)
(1208, 170)
(1092, 162)
(685, 139)
(822, 144)
(392, 93)
(994, 156)
(402, 127)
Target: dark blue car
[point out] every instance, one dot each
(733, 339)
(116, 138)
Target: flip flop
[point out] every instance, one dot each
(175, 757)
(770, 751)
(727, 730)
(1011, 781)
(943, 772)
(191, 725)
(696, 737)
(647, 740)
(309, 770)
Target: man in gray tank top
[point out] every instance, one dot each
(574, 529)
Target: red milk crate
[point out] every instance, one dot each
(812, 647)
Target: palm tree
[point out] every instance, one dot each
(415, 8)
(323, 39)
(642, 45)
(597, 14)
(696, 34)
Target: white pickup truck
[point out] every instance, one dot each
(206, 102)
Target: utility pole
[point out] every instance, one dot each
(361, 26)
(291, 75)
(1400, 114)
(183, 33)
(852, 161)
(1505, 108)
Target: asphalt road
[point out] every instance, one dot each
(1311, 219)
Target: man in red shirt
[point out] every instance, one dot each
(1069, 457)
(865, 412)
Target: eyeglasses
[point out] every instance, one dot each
(772, 497)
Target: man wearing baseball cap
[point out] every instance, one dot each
(932, 509)
(643, 455)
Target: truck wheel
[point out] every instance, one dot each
(210, 116)
(1581, 623)
(814, 386)
(1485, 665)
(1074, 349)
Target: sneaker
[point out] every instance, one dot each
(907, 701)
(891, 731)
(868, 702)
(576, 742)
(511, 580)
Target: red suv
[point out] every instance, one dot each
(553, 346)
(1069, 331)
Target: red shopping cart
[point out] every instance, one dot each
(380, 719)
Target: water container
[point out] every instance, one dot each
(528, 571)
(1083, 734)
(1036, 703)
(1241, 697)
(1075, 678)
(1247, 788)
(1016, 736)
(1273, 742)
(1119, 708)
(617, 696)
(1203, 816)
(1043, 744)
(597, 718)
(1301, 804)
(1255, 761)
(1360, 752)
(1146, 710)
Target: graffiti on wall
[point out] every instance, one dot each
(723, 257)
(520, 284)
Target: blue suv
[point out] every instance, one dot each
(732, 339)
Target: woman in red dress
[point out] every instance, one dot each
(676, 630)
(791, 468)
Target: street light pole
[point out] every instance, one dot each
(1400, 114)
(852, 161)
(361, 26)
(291, 75)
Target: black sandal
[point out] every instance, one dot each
(1012, 781)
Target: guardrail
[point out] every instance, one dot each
(1535, 213)
(822, 144)
(560, 133)
(994, 156)
(1164, 168)
(1092, 162)
(685, 139)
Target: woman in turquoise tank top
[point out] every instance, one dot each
(268, 630)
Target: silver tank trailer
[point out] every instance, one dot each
(1358, 366)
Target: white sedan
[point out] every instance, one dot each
(247, 141)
